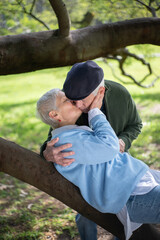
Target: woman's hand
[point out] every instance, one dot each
(121, 145)
(98, 100)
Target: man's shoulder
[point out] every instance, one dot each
(115, 87)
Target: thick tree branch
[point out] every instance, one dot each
(62, 16)
(31, 168)
(34, 51)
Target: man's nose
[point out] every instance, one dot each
(78, 103)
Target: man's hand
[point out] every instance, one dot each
(121, 145)
(55, 154)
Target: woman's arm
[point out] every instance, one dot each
(92, 147)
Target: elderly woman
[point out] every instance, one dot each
(110, 181)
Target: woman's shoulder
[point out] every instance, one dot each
(71, 135)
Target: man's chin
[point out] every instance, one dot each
(85, 110)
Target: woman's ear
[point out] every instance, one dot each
(53, 114)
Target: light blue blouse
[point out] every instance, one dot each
(106, 178)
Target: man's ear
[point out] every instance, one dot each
(53, 114)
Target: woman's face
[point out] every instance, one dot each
(67, 111)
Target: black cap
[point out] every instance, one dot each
(82, 80)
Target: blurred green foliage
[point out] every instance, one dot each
(21, 16)
(111, 11)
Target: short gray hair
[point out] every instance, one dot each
(97, 88)
(45, 104)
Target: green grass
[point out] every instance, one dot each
(27, 213)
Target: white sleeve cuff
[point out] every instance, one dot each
(94, 112)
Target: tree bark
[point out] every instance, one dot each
(35, 51)
(62, 16)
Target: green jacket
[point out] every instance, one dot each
(121, 112)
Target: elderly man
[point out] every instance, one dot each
(81, 86)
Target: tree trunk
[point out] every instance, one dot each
(35, 51)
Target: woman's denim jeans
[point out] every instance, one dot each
(87, 229)
(142, 209)
(145, 208)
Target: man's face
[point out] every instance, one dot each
(85, 103)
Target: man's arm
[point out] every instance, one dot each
(134, 126)
(122, 114)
